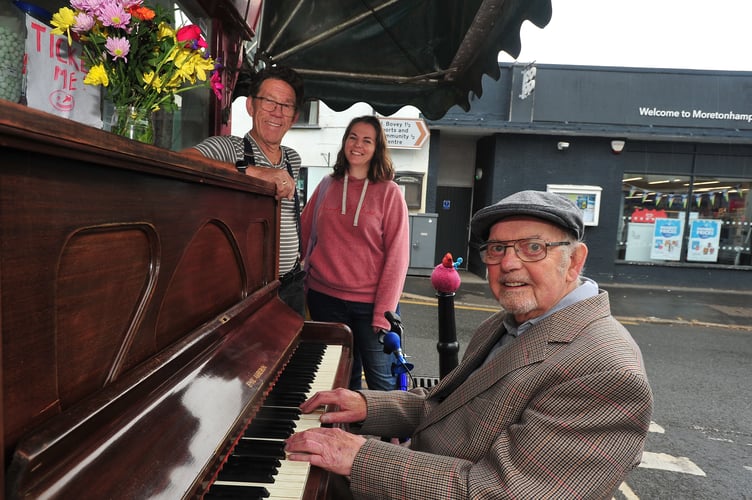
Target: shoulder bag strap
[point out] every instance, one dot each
(323, 187)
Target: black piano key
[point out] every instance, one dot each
(260, 463)
(277, 413)
(247, 447)
(257, 460)
(249, 470)
(293, 399)
(273, 429)
(295, 379)
(232, 492)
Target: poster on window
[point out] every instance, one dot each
(704, 238)
(667, 239)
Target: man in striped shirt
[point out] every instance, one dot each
(274, 104)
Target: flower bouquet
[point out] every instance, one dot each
(138, 57)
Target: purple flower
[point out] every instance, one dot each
(118, 47)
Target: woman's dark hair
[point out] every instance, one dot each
(381, 167)
(287, 75)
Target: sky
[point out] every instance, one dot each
(682, 34)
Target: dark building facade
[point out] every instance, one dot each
(659, 160)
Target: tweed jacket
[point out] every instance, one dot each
(560, 412)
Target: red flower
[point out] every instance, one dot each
(191, 34)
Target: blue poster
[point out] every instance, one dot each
(704, 238)
(667, 239)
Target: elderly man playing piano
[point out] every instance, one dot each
(551, 399)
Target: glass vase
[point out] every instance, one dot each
(134, 123)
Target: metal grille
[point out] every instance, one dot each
(426, 382)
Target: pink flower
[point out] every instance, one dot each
(84, 22)
(216, 84)
(85, 5)
(113, 14)
(118, 47)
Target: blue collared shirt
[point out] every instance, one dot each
(587, 288)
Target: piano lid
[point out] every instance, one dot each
(157, 432)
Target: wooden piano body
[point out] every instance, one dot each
(140, 323)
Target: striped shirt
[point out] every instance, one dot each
(229, 149)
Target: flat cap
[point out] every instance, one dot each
(539, 204)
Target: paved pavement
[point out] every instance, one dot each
(703, 307)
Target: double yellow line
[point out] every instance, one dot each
(466, 307)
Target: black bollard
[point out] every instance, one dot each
(447, 346)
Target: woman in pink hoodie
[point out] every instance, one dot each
(360, 247)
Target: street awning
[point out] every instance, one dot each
(390, 53)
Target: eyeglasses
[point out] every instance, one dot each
(527, 250)
(270, 105)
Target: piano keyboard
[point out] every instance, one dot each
(257, 467)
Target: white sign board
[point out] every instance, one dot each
(55, 76)
(587, 199)
(405, 133)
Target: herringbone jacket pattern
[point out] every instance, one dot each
(561, 412)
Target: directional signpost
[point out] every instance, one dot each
(404, 133)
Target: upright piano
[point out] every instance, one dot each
(145, 351)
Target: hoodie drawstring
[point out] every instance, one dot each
(360, 202)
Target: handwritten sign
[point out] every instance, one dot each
(55, 76)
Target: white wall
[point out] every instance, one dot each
(318, 146)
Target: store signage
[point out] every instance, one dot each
(656, 98)
(404, 133)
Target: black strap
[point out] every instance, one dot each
(250, 160)
(297, 202)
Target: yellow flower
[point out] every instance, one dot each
(192, 65)
(202, 66)
(165, 31)
(97, 76)
(175, 82)
(158, 66)
(152, 80)
(63, 20)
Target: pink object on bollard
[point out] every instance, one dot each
(445, 278)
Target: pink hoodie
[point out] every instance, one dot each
(363, 259)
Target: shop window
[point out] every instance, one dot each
(683, 219)
(189, 124)
(309, 115)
